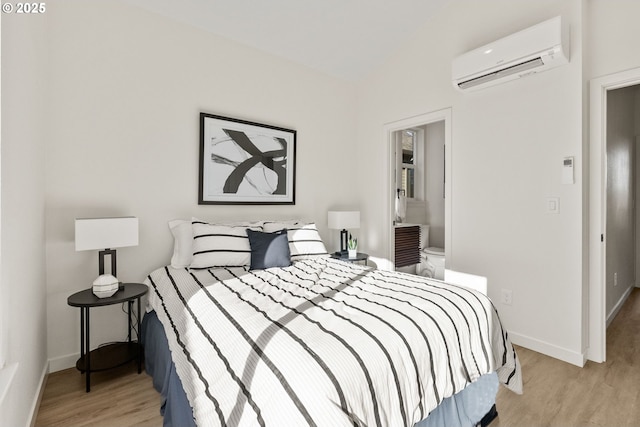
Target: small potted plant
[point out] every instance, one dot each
(352, 246)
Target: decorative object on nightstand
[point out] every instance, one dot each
(343, 220)
(105, 234)
(352, 246)
(110, 355)
(105, 286)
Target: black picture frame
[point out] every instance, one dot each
(245, 163)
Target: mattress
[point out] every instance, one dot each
(325, 342)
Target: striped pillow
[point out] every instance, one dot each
(304, 240)
(217, 245)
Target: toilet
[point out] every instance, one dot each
(431, 257)
(432, 263)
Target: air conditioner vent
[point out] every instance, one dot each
(505, 72)
(538, 48)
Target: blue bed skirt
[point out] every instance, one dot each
(464, 409)
(175, 407)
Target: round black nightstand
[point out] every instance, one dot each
(360, 256)
(111, 355)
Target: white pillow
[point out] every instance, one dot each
(182, 243)
(182, 232)
(304, 239)
(220, 245)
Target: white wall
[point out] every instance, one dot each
(22, 282)
(434, 177)
(621, 141)
(126, 90)
(613, 35)
(507, 157)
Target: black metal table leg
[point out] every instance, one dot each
(88, 351)
(138, 338)
(129, 307)
(82, 309)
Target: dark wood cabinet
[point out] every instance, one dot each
(407, 247)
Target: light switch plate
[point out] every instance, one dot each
(553, 205)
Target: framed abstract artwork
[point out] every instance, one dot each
(244, 162)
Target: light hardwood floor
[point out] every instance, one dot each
(555, 393)
(600, 394)
(118, 398)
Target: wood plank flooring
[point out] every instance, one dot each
(600, 394)
(555, 393)
(118, 398)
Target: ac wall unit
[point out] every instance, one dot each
(532, 50)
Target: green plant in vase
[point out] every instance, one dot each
(352, 246)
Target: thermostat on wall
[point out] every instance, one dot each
(567, 170)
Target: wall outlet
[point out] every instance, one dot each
(615, 279)
(507, 296)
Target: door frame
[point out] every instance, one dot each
(415, 121)
(597, 323)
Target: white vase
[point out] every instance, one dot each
(353, 253)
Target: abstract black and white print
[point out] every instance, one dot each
(245, 163)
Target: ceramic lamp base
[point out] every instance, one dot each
(105, 292)
(105, 286)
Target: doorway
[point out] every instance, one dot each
(420, 126)
(604, 300)
(622, 128)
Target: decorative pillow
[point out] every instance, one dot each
(269, 249)
(218, 245)
(182, 243)
(304, 239)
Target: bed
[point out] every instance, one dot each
(315, 341)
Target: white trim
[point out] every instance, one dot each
(618, 306)
(38, 398)
(63, 362)
(389, 129)
(551, 350)
(7, 373)
(597, 206)
(4, 328)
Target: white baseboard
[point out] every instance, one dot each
(63, 362)
(38, 398)
(618, 306)
(7, 373)
(566, 355)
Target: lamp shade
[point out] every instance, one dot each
(103, 233)
(343, 220)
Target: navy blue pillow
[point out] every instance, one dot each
(269, 249)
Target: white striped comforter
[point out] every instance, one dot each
(325, 343)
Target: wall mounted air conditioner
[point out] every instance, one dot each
(532, 50)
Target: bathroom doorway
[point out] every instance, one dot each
(419, 185)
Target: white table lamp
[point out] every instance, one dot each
(105, 234)
(343, 220)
